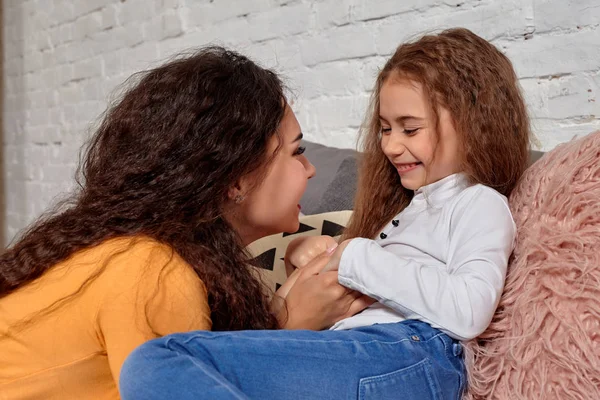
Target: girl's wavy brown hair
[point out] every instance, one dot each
(160, 165)
(476, 83)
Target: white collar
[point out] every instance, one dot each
(437, 192)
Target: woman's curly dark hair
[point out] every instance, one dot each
(160, 165)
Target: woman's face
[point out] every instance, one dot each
(273, 206)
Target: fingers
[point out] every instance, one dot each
(287, 285)
(330, 280)
(313, 268)
(302, 250)
(359, 304)
(316, 264)
(332, 265)
(353, 294)
(336, 256)
(316, 301)
(289, 267)
(341, 295)
(328, 243)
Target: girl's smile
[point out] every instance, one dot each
(407, 167)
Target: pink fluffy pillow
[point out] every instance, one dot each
(544, 340)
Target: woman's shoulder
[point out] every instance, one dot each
(122, 263)
(132, 251)
(126, 246)
(141, 273)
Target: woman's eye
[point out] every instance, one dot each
(385, 130)
(300, 150)
(411, 131)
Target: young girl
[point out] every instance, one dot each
(446, 143)
(200, 157)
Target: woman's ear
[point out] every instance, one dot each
(237, 192)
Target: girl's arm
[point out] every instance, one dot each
(459, 299)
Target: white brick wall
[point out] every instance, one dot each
(64, 57)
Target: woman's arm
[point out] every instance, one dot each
(149, 292)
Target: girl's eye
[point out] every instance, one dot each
(411, 131)
(300, 150)
(385, 130)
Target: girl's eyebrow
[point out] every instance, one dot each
(404, 118)
(298, 138)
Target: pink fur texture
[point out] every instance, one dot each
(544, 341)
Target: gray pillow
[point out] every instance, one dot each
(334, 185)
(339, 194)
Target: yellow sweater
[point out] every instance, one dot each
(142, 290)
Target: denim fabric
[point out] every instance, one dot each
(405, 360)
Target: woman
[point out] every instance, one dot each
(200, 157)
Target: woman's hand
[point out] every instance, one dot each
(313, 300)
(304, 249)
(334, 261)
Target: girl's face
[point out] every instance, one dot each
(408, 136)
(273, 206)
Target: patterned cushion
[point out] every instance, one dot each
(269, 251)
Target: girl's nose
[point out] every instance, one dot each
(393, 145)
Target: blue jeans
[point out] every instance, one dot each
(406, 360)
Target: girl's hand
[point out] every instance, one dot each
(304, 249)
(313, 300)
(334, 261)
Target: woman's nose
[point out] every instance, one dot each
(310, 169)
